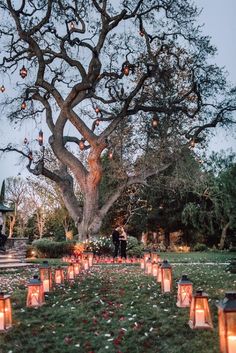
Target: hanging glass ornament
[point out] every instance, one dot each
(40, 138)
(2, 88)
(23, 72)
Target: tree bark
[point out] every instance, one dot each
(223, 236)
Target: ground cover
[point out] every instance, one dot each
(114, 309)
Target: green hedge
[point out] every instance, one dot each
(53, 249)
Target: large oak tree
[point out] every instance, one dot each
(129, 78)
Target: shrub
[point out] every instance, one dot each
(200, 247)
(52, 249)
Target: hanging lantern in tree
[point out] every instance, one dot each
(2, 88)
(23, 105)
(81, 144)
(200, 316)
(141, 32)
(40, 138)
(192, 143)
(59, 275)
(97, 122)
(23, 72)
(127, 68)
(46, 276)
(166, 277)
(5, 312)
(97, 110)
(30, 155)
(155, 122)
(110, 154)
(77, 267)
(185, 291)
(227, 323)
(26, 141)
(72, 25)
(70, 272)
(35, 295)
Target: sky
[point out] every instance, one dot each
(218, 17)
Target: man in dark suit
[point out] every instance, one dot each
(116, 240)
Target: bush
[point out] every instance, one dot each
(200, 247)
(52, 249)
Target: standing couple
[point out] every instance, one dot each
(119, 239)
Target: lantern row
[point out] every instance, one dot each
(200, 316)
(39, 285)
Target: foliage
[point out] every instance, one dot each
(49, 248)
(200, 247)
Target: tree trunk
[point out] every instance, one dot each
(223, 236)
(11, 225)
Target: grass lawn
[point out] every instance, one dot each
(114, 309)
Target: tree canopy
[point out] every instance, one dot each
(128, 78)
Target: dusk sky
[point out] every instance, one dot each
(219, 19)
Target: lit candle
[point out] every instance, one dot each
(1, 321)
(166, 285)
(231, 344)
(46, 285)
(71, 274)
(35, 299)
(185, 298)
(155, 271)
(58, 279)
(200, 317)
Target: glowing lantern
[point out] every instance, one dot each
(110, 154)
(97, 110)
(146, 256)
(166, 277)
(185, 292)
(46, 276)
(76, 268)
(159, 272)
(155, 123)
(89, 255)
(23, 105)
(227, 323)
(155, 268)
(2, 88)
(72, 25)
(148, 267)
(200, 316)
(40, 138)
(142, 264)
(26, 141)
(59, 275)
(70, 272)
(192, 143)
(125, 70)
(23, 72)
(155, 257)
(5, 312)
(97, 122)
(85, 263)
(30, 155)
(141, 32)
(35, 295)
(81, 145)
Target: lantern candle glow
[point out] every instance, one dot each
(5, 312)
(70, 272)
(200, 316)
(185, 291)
(166, 277)
(35, 295)
(59, 275)
(227, 323)
(46, 276)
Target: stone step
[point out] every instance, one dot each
(15, 265)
